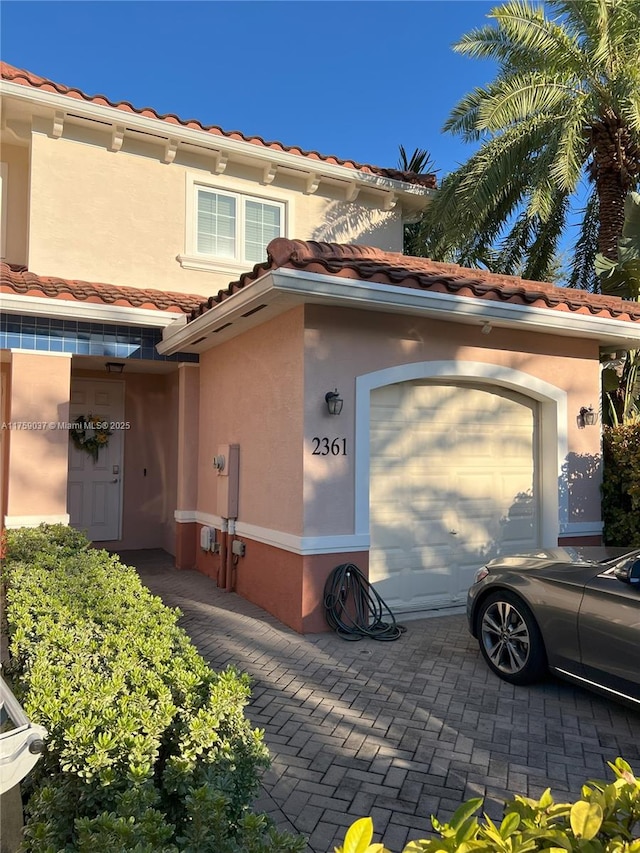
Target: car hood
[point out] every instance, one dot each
(581, 554)
(569, 565)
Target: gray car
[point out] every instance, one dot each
(558, 611)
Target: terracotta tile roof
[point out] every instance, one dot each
(27, 78)
(370, 264)
(16, 279)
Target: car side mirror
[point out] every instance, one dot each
(629, 572)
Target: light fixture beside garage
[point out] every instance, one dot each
(587, 417)
(114, 366)
(334, 402)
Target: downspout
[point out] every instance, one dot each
(224, 536)
(229, 568)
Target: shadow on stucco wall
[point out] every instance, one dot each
(352, 223)
(579, 486)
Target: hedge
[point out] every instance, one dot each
(149, 750)
(621, 485)
(606, 819)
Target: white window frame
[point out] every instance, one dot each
(193, 259)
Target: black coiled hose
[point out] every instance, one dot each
(354, 609)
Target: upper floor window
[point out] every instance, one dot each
(236, 227)
(228, 230)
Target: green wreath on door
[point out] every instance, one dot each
(90, 434)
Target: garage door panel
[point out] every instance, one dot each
(393, 535)
(452, 484)
(518, 531)
(389, 562)
(429, 536)
(388, 450)
(388, 487)
(390, 396)
(432, 489)
(436, 557)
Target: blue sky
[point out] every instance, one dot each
(354, 79)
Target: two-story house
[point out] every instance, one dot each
(273, 387)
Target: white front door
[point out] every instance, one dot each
(94, 493)
(453, 484)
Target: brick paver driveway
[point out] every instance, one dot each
(398, 731)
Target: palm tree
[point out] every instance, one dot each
(621, 377)
(419, 163)
(560, 121)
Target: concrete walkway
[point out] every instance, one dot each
(399, 730)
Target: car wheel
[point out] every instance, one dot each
(510, 640)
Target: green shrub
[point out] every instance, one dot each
(621, 485)
(605, 820)
(148, 748)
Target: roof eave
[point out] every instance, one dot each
(281, 289)
(76, 309)
(414, 196)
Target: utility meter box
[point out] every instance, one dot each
(228, 480)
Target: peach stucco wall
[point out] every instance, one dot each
(251, 394)
(38, 458)
(188, 431)
(340, 346)
(187, 464)
(150, 460)
(136, 206)
(5, 433)
(16, 215)
(289, 586)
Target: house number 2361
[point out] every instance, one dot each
(329, 446)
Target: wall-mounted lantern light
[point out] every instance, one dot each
(334, 402)
(587, 417)
(114, 366)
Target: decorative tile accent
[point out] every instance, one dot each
(43, 334)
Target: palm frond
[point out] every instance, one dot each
(419, 163)
(566, 94)
(571, 151)
(547, 44)
(544, 248)
(514, 247)
(583, 273)
(463, 117)
(519, 98)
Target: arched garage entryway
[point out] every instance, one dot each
(462, 463)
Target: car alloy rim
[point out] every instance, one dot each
(505, 637)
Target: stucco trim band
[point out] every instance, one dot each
(304, 546)
(582, 528)
(187, 516)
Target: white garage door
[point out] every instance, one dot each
(453, 483)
